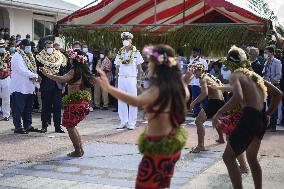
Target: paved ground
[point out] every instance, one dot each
(111, 158)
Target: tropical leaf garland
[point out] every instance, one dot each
(213, 40)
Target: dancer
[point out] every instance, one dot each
(215, 102)
(76, 103)
(228, 123)
(164, 102)
(249, 90)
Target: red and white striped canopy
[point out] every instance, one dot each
(167, 12)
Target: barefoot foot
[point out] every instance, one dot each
(197, 149)
(75, 154)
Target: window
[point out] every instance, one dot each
(42, 28)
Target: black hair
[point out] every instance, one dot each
(81, 70)
(270, 49)
(168, 79)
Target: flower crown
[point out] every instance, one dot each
(198, 66)
(74, 55)
(240, 61)
(151, 53)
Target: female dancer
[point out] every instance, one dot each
(76, 103)
(164, 102)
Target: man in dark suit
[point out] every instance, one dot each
(51, 92)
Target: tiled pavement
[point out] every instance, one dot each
(103, 166)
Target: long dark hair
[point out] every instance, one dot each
(81, 70)
(168, 79)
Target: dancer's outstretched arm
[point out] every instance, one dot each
(60, 79)
(146, 98)
(221, 88)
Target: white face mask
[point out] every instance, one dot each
(265, 56)
(85, 50)
(125, 43)
(49, 50)
(102, 56)
(28, 49)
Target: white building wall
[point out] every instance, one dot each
(20, 22)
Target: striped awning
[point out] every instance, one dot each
(164, 14)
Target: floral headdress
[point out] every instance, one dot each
(74, 55)
(236, 58)
(151, 53)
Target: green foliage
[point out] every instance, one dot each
(263, 9)
(212, 40)
(77, 96)
(280, 30)
(166, 146)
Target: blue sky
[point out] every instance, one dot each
(275, 5)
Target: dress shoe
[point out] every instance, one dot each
(20, 131)
(59, 130)
(115, 110)
(43, 130)
(105, 108)
(121, 126)
(5, 119)
(32, 129)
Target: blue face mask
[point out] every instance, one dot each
(28, 49)
(2, 50)
(12, 50)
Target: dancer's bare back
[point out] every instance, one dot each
(249, 93)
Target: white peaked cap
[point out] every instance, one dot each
(128, 34)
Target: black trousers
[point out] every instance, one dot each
(51, 103)
(22, 106)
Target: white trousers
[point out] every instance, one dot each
(5, 95)
(126, 115)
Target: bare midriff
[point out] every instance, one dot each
(74, 87)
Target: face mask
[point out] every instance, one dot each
(18, 38)
(265, 56)
(12, 50)
(102, 56)
(28, 49)
(49, 50)
(76, 49)
(85, 50)
(125, 43)
(2, 50)
(28, 39)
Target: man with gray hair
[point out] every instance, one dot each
(255, 64)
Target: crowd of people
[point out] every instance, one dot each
(166, 86)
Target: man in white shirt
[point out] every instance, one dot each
(24, 79)
(194, 83)
(128, 77)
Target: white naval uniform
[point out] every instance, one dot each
(5, 95)
(127, 81)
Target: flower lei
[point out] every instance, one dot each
(6, 63)
(29, 60)
(52, 62)
(158, 58)
(74, 55)
(213, 78)
(130, 57)
(256, 78)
